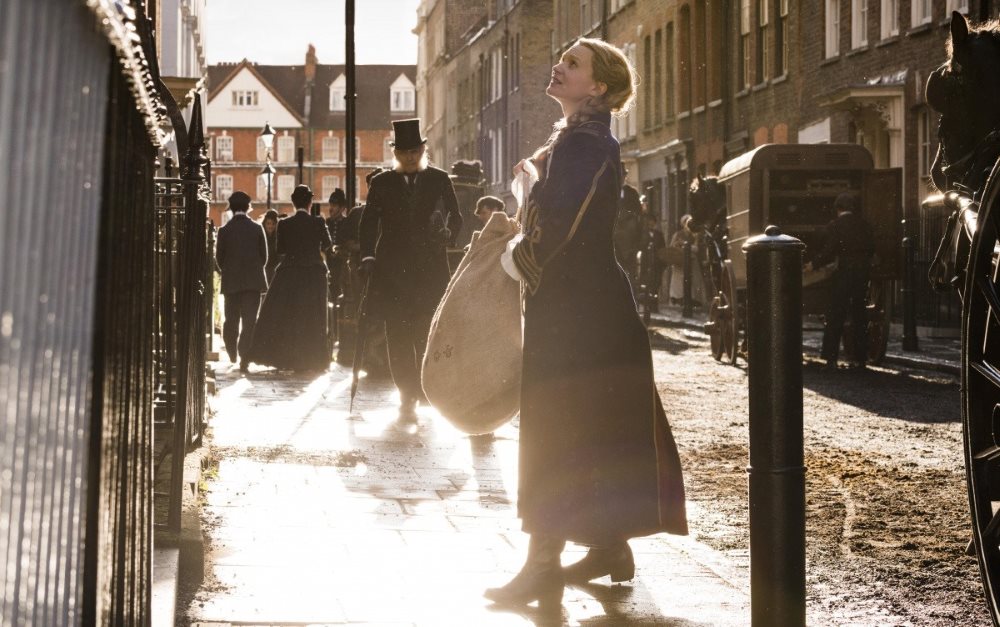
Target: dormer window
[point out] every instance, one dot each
(338, 94)
(245, 98)
(402, 95)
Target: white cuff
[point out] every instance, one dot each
(364, 259)
(507, 258)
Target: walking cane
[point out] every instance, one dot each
(359, 342)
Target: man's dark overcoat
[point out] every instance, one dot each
(241, 252)
(401, 227)
(598, 463)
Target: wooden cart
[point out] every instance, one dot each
(794, 186)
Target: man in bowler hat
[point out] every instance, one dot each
(241, 253)
(849, 242)
(410, 217)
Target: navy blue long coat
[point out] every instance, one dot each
(598, 463)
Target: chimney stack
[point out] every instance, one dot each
(310, 76)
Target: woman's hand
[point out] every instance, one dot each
(519, 167)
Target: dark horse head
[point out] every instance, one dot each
(966, 92)
(707, 199)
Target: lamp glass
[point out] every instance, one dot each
(267, 136)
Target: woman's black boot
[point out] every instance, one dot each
(540, 579)
(616, 561)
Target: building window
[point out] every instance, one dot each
(669, 103)
(261, 189)
(744, 66)
(633, 116)
(338, 94)
(387, 155)
(330, 183)
(859, 23)
(684, 70)
(286, 184)
(781, 59)
(331, 149)
(224, 148)
(889, 26)
(920, 12)
(927, 141)
(832, 28)
(286, 149)
(357, 149)
(647, 94)
(657, 77)
(402, 100)
(223, 186)
(701, 68)
(962, 6)
(261, 150)
(245, 98)
(763, 39)
(357, 188)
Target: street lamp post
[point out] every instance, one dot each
(267, 137)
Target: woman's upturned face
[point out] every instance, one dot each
(270, 226)
(572, 79)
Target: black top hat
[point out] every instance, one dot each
(239, 201)
(406, 134)
(338, 197)
(301, 196)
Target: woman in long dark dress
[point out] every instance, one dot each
(598, 464)
(291, 327)
(270, 224)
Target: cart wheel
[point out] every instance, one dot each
(878, 325)
(981, 390)
(731, 332)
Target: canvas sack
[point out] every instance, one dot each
(472, 367)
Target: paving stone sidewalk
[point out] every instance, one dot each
(319, 517)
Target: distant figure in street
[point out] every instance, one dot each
(628, 227)
(403, 237)
(652, 245)
(291, 330)
(337, 259)
(849, 242)
(270, 224)
(598, 464)
(486, 206)
(241, 253)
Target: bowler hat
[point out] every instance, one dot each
(239, 201)
(406, 134)
(338, 197)
(301, 196)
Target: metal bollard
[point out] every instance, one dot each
(688, 307)
(909, 294)
(776, 471)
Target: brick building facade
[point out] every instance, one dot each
(305, 106)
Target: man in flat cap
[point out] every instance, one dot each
(849, 242)
(410, 217)
(291, 331)
(241, 253)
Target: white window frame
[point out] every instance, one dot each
(223, 186)
(889, 24)
(286, 185)
(330, 149)
(330, 182)
(285, 149)
(245, 98)
(402, 100)
(925, 142)
(262, 188)
(921, 12)
(832, 28)
(962, 6)
(224, 148)
(357, 149)
(859, 23)
(745, 11)
(338, 94)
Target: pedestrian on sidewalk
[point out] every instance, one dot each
(270, 224)
(241, 254)
(598, 463)
(849, 242)
(487, 206)
(403, 239)
(291, 330)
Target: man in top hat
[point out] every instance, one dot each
(410, 217)
(335, 224)
(849, 242)
(241, 253)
